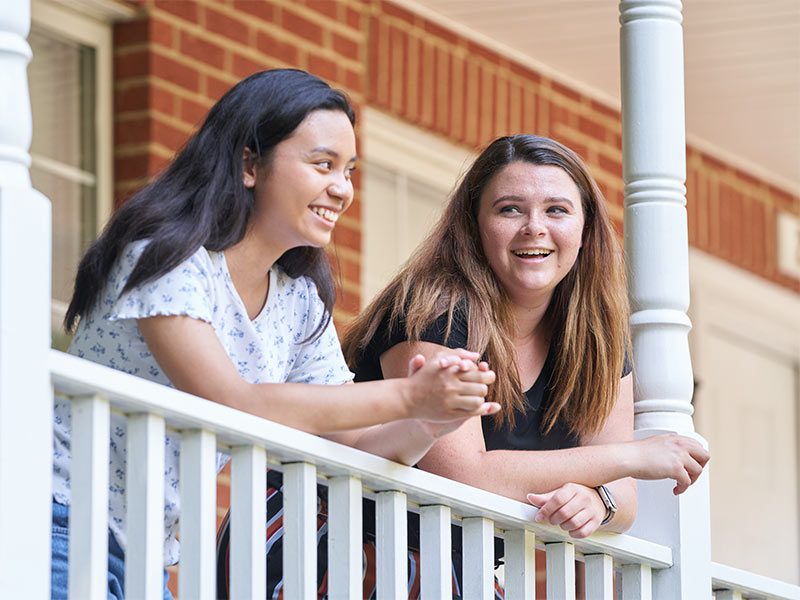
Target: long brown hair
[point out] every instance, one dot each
(587, 315)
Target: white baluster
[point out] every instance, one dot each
(88, 515)
(300, 531)
(637, 582)
(599, 577)
(392, 545)
(197, 574)
(248, 567)
(520, 561)
(26, 398)
(144, 554)
(560, 571)
(478, 548)
(656, 241)
(435, 552)
(344, 537)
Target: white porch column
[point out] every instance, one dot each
(656, 241)
(26, 421)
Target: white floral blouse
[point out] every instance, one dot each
(267, 349)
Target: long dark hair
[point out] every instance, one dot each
(200, 200)
(588, 313)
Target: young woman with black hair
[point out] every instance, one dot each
(212, 279)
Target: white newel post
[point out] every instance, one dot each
(26, 444)
(656, 242)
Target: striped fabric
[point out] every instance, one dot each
(275, 556)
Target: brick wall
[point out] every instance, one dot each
(175, 60)
(433, 78)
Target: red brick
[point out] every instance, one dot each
(566, 91)
(353, 81)
(160, 33)
(202, 50)
(132, 64)
(604, 110)
(322, 67)
(131, 99)
(477, 50)
(352, 17)
(301, 26)
(346, 47)
(610, 166)
(167, 135)
(215, 87)
(256, 9)
(441, 33)
(324, 7)
(132, 131)
(347, 238)
(271, 46)
(193, 113)
(221, 24)
(592, 128)
(175, 72)
(131, 32)
(187, 10)
(348, 302)
(243, 66)
(524, 72)
(131, 167)
(373, 62)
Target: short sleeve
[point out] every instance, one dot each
(319, 359)
(186, 290)
(436, 332)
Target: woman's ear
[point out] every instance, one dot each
(248, 169)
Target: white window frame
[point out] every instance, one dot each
(409, 152)
(88, 23)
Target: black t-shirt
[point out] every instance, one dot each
(527, 431)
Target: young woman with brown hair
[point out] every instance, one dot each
(525, 268)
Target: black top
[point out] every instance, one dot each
(527, 431)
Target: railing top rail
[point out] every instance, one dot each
(724, 577)
(77, 377)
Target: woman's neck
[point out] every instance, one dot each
(530, 319)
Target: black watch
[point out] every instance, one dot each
(608, 501)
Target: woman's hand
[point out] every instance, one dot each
(669, 456)
(447, 390)
(573, 507)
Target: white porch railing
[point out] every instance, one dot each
(304, 459)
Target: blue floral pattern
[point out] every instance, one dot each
(272, 348)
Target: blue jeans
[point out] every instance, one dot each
(60, 568)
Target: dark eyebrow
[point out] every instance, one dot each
(507, 197)
(330, 152)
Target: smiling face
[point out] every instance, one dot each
(306, 184)
(531, 221)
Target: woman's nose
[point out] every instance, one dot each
(534, 226)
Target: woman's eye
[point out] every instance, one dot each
(349, 171)
(510, 209)
(560, 210)
(325, 164)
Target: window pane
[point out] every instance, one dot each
(63, 149)
(61, 77)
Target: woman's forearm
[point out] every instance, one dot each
(516, 473)
(403, 441)
(311, 407)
